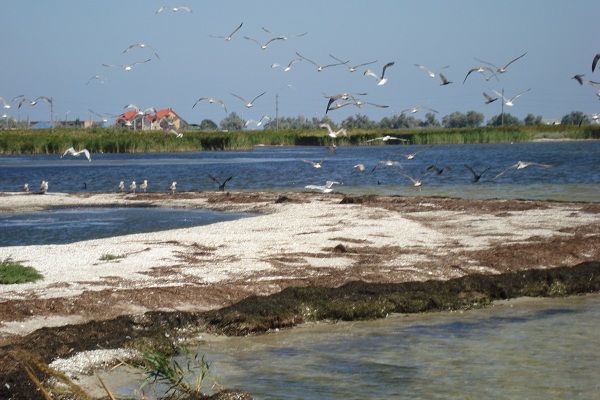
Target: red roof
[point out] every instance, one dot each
(127, 116)
(131, 115)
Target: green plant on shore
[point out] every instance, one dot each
(110, 257)
(164, 369)
(12, 272)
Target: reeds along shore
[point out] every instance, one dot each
(111, 140)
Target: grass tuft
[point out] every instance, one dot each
(12, 272)
(110, 257)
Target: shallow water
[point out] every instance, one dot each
(574, 174)
(521, 349)
(67, 225)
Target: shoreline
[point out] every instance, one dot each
(300, 247)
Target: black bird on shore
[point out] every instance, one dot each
(218, 182)
(476, 176)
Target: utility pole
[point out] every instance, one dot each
(277, 112)
(502, 113)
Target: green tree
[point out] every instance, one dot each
(531, 119)
(509, 119)
(358, 121)
(232, 122)
(430, 121)
(575, 118)
(473, 118)
(208, 125)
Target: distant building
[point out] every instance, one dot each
(164, 118)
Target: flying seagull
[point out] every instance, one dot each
(174, 9)
(503, 69)
(410, 156)
(37, 99)
(521, 165)
(595, 61)
(264, 118)
(314, 164)
(285, 36)
(98, 78)
(438, 170)
(428, 71)
(340, 96)
(230, 36)
(320, 67)
(386, 138)
(386, 163)
(71, 151)
(416, 109)
(509, 102)
(4, 103)
(578, 78)
(416, 181)
(264, 46)
(218, 182)
(289, 66)
(141, 46)
(476, 175)
(489, 99)
(332, 133)
(248, 104)
(211, 100)
(444, 80)
(126, 67)
(380, 79)
(327, 188)
(352, 68)
(482, 70)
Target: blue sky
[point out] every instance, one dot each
(52, 48)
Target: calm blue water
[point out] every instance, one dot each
(575, 174)
(69, 225)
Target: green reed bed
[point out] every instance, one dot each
(112, 140)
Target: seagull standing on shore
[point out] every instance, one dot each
(43, 187)
(25, 188)
(132, 187)
(173, 187)
(74, 153)
(248, 104)
(144, 185)
(381, 79)
(121, 187)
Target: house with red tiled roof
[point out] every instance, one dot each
(162, 119)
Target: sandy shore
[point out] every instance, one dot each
(295, 239)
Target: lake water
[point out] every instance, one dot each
(520, 349)
(66, 225)
(574, 174)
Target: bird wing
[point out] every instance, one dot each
(326, 126)
(295, 60)
(335, 58)
(489, 98)
(199, 100)
(363, 64)
(110, 65)
(376, 105)
(184, 8)
(307, 59)
(275, 38)
(214, 179)
(329, 184)
(46, 99)
(86, 153)
(257, 97)
(513, 60)
(70, 150)
(222, 103)
(469, 73)
(503, 172)
(386, 67)
(254, 40)
(141, 62)
(487, 63)
(520, 94)
(499, 95)
(595, 61)
(368, 72)
(410, 177)
(227, 180)
(235, 30)
(443, 78)
(239, 97)
(425, 69)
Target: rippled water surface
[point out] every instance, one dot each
(68, 225)
(574, 174)
(521, 349)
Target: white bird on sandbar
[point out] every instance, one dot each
(509, 102)
(381, 79)
(521, 165)
(43, 187)
(74, 153)
(332, 133)
(504, 68)
(228, 37)
(126, 67)
(144, 185)
(319, 66)
(327, 188)
(264, 46)
(121, 187)
(315, 164)
(132, 187)
(141, 46)
(173, 187)
(248, 104)
(25, 188)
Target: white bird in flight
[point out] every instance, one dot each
(228, 37)
(504, 68)
(521, 165)
(289, 66)
(416, 109)
(489, 99)
(327, 188)
(37, 99)
(320, 67)
(428, 71)
(141, 46)
(481, 70)
(211, 100)
(332, 133)
(386, 163)
(173, 9)
(264, 118)
(126, 67)
(317, 165)
(4, 103)
(352, 68)
(98, 78)
(248, 104)
(264, 46)
(381, 79)
(386, 138)
(509, 102)
(416, 181)
(71, 151)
